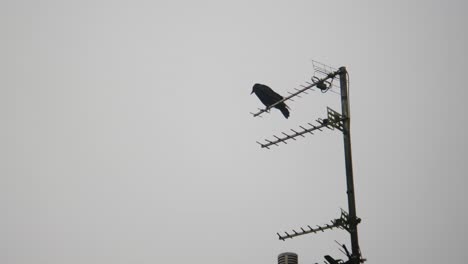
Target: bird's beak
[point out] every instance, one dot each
(251, 92)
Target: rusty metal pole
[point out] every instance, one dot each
(353, 220)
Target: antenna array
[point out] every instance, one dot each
(342, 222)
(333, 120)
(323, 84)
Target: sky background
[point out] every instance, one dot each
(125, 132)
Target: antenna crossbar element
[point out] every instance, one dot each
(322, 68)
(334, 120)
(330, 75)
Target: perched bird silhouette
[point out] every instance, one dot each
(268, 97)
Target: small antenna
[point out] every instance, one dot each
(333, 120)
(315, 82)
(341, 222)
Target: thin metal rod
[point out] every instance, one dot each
(352, 218)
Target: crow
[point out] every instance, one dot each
(268, 97)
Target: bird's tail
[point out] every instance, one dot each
(284, 110)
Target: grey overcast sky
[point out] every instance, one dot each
(126, 135)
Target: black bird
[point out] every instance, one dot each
(268, 97)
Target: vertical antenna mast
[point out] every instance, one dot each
(352, 218)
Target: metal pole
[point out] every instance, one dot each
(353, 220)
